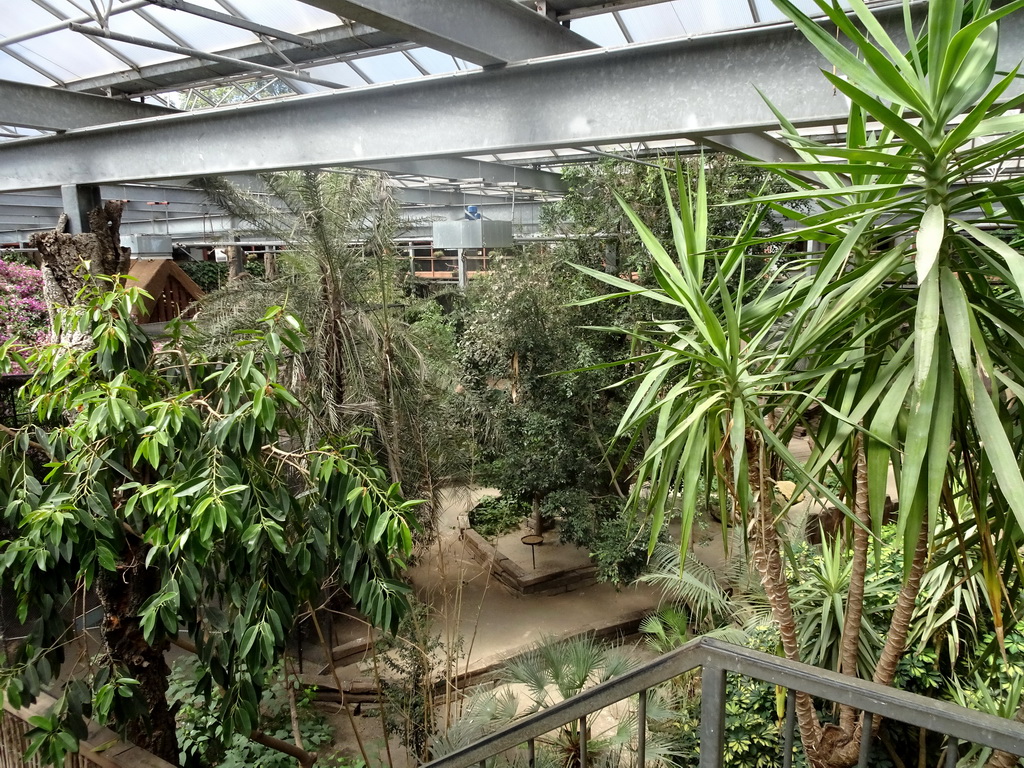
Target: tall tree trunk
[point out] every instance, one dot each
(899, 625)
(767, 557)
(122, 594)
(840, 745)
(236, 262)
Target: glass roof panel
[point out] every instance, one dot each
(28, 17)
(433, 61)
(339, 72)
(602, 29)
(769, 13)
(197, 32)
(12, 69)
(136, 26)
(703, 17)
(69, 55)
(289, 17)
(387, 67)
(653, 22)
(65, 8)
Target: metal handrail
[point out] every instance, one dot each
(716, 658)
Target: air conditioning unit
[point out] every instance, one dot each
(148, 246)
(472, 233)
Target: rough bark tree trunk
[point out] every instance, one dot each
(236, 262)
(270, 265)
(842, 743)
(67, 260)
(767, 558)
(122, 594)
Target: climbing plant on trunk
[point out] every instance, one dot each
(170, 487)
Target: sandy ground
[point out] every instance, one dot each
(492, 622)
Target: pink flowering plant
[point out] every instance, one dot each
(22, 310)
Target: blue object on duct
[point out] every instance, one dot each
(472, 212)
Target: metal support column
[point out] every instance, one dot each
(78, 200)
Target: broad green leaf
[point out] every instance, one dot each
(1014, 260)
(929, 240)
(999, 451)
(978, 114)
(957, 315)
(968, 70)
(940, 436)
(844, 60)
(943, 22)
(926, 327)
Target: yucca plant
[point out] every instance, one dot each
(900, 349)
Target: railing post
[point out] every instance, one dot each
(583, 742)
(866, 734)
(952, 751)
(641, 733)
(787, 749)
(712, 716)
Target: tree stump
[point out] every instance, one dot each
(69, 260)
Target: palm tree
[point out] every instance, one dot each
(365, 368)
(550, 672)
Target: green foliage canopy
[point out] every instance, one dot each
(171, 488)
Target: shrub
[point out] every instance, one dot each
(204, 739)
(211, 275)
(494, 516)
(22, 310)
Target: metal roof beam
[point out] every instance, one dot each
(35, 106)
(181, 50)
(485, 32)
(680, 88)
(328, 46)
(129, 5)
(234, 21)
(455, 168)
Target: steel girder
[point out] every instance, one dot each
(485, 32)
(681, 88)
(55, 109)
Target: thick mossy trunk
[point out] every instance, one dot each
(122, 594)
(67, 259)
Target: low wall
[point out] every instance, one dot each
(524, 582)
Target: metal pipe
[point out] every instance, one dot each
(276, 71)
(583, 742)
(57, 26)
(234, 21)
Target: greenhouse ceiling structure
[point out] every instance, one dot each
(461, 102)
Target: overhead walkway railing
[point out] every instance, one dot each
(715, 659)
